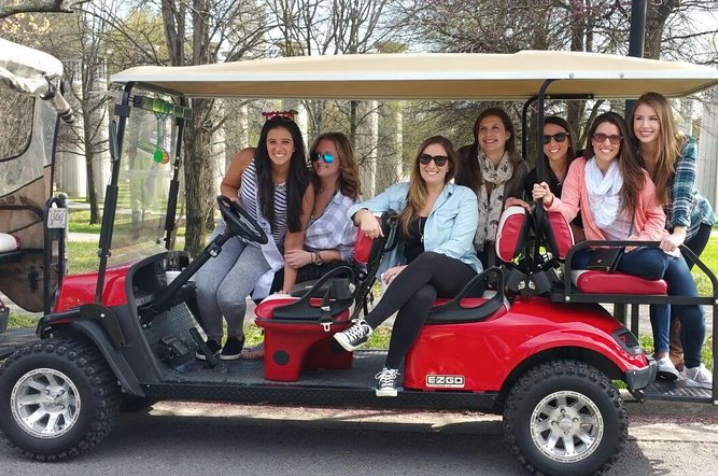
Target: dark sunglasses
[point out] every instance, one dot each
(439, 160)
(328, 158)
(600, 138)
(560, 137)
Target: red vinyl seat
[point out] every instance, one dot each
(599, 282)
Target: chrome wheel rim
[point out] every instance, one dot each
(567, 427)
(45, 403)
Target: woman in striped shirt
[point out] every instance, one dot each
(272, 183)
(670, 159)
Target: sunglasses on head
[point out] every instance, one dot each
(286, 116)
(600, 138)
(327, 158)
(439, 160)
(560, 137)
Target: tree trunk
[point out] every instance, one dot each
(656, 15)
(198, 180)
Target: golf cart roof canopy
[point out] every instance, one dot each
(429, 76)
(27, 70)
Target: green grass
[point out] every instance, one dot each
(79, 222)
(710, 258)
(82, 257)
(20, 320)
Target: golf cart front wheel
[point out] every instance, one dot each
(565, 417)
(58, 398)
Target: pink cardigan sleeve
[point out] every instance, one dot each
(570, 199)
(655, 217)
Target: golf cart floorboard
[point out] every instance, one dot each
(243, 380)
(677, 391)
(13, 339)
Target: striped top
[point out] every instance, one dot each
(248, 197)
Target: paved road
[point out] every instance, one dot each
(209, 439)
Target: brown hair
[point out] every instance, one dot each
(562, 123)
(470, 174)
(416, 198)
(631, 172)
(349, 182)
(670, 143)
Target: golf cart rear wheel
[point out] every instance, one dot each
(565, 417)
(58, 399)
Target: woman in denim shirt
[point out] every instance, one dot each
(435, 256)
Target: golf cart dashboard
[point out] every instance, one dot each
(149, 278)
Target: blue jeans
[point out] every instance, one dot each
(652, 264)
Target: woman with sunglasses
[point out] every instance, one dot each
(493, 168)
(616, 198)
(329, 239)
(272, 183)
(435, 256)
(558, 153)
(670, 159)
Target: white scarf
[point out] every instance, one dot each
(604, 192)
(491, 206)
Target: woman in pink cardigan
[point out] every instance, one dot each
(616, 198)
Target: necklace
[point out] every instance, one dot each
(422, 222)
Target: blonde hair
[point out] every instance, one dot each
(416, 197)
(670, 143)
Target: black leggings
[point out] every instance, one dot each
(413, 293)
(698, 243)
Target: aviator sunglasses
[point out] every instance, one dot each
(560, 137)
(439, 160)
(327, 158)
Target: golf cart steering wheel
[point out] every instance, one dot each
(239, 221)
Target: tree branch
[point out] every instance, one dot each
(40, 6)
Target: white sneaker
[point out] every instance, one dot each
(699, 377)
(387, 383)
(666, 369)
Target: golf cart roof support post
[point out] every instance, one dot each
(525, 126)
(174, 183)
(541, 172)
(49, 237)
(108, 214)
(637, 37)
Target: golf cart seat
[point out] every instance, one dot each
(9, 249)
(597, 282)
(298, 330)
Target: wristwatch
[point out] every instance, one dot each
(318, 259)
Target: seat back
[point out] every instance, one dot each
(512, 233)
(560, 239)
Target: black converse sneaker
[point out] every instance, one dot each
(213, 346)
(232, 349)
(355, 336)
(387, 382)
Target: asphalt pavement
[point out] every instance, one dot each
(186, 438)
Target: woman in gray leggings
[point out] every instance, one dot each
(272, 183)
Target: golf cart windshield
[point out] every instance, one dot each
(144, 180)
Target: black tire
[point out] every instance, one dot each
(550, 401)
(89, 402)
